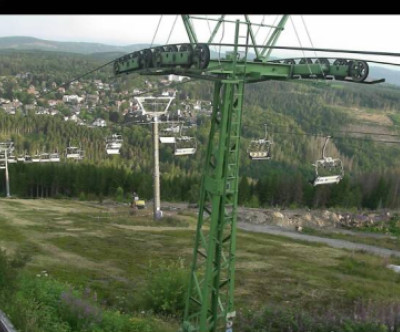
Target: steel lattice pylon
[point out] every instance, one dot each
(209, 305)
(210, 295)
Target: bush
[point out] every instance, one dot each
(80, 313)
(166, 288)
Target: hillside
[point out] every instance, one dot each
(31, 43)
(109, 52)
(296, 113)
(134, 272)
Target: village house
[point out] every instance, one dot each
(72, 99)
(99, 123)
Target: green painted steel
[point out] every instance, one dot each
(209, 304)
(189, 29)
(266, 52)
(211, 285)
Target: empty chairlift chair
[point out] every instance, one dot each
(185, 145)
(260, 149)
(327, 170)
(2, 160)
(168, 135)
(74, 152)
(11, 159)
(113, 144)
(54, 157)
(44, 157)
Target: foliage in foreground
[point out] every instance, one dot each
(364, 317)
(41, 304)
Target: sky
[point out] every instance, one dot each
(354, 32)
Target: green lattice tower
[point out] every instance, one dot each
(210, 298)
(209, 305)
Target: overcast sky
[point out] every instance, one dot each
(355, 32)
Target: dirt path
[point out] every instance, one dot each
(275, 230)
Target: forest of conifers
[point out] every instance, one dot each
(296, 113)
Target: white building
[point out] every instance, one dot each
(175, 78)
(73, 99)
(99, 123)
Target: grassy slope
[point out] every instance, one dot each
(109, 250)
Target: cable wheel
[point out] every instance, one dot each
(156, 56)
(147, 58)
(358, 70)
(171, 49)
(340, 62)
(305, 60)
(138, 57)
(187, 48)
(203, 54)
(322, 61)
(290, 61)
(116, 68)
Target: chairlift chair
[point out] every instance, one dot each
(2, 160)
(21, 158)
(36, 157)
(27, 158)
(113, 144)
(185, 145)
(328, 170)
(168, 135)
(54, 157)
(73, 152)
(44, 157)
(11, 159)
(260, 149)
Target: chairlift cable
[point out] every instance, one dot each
(155, 33)
(172, 29)
(312, 45)
(329, 50)
(77, 78)
(298, 39)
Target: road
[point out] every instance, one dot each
(275, 230)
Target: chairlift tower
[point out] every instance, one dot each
(155, 107)
(6, 149)
(209, 305)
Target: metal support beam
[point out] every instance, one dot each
(209, 306)
(216, 28)
(189, 29)
(274, 38)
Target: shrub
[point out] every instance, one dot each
(166, 288)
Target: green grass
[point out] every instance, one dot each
(112, 257)
(388, 242)
(395, 118)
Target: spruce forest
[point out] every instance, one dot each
(362, 120)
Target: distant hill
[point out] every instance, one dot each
(31, 43)
(392, 76)
(109, 52)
